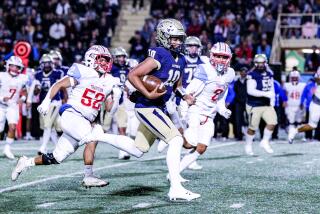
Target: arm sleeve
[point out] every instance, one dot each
(304, 95)
(221, 104)
(195, 87)
(251, 89)
(116, 98)
(231, 94)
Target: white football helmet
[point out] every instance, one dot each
(132, 63)
(260, 61)
(193, 41)
(14, 60)
(93, 58)
(220, 57)
(168, 28)
(117, 53)
(56, 56)
(294, 76)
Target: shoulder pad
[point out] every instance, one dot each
(200, 73)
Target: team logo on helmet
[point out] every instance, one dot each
(167, 29)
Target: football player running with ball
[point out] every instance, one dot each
(210, 87)
(91, 83)
(165, 63)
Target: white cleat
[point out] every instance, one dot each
(292, 133)
(182, 194)
(92, 181)
(195, 166)
(21, 166)
(181, 179)
(7, 152)
(266, 146)
(123, 155)
(248, 149)
(28, 138)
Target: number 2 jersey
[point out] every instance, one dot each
(169, 71)
(209, 88)
(10, 87)
(87, 96)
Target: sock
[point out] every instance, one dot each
(173, 160)
(121, 142)
(54, 136)
(267, 134)
(249, 138)
(161, 146)
(28, 134)
(9, 140)
(30, 162)
(188, 159)
(88, 170)
(45, 140)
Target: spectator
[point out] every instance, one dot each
(139, 47)
(268, 25)
(313, 60)
(264, 47)
(57, 32)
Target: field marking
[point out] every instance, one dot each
(45, 205)
(237, 205)
(15, 187)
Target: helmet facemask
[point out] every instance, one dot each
(193, 51)
(220, 62)
(14, 70)
(103, 63)
(14, 66)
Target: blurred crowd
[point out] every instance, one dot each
(70, 25)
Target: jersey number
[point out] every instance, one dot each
(216, 94)
(12, 91)
(295, 95)
(189, 72)
(266, 85)
(174, 75)
(92, 98)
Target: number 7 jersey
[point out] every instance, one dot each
(87, 96)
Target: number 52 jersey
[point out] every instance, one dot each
(87, 96)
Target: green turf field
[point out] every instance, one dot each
(230, 182)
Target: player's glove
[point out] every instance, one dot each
(44, 107)
(226, 113)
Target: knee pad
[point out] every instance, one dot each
(48, 159)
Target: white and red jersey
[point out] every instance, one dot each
(210, 88)
(10, 87)
(87, 96)
(294, 92)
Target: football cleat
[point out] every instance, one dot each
(93, 181)
(292, 133)
(28, 138)
(195, 166)
(266, 146)
(21, 166)
(248, 149)
(182, 194)
(123, 155)
(7, 152)
(181, 179)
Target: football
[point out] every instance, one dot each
(151, 82)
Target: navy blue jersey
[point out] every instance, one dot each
(120, 72)
(63, 68)
(189, 70)
(264, 83)
(47, 80)
(169, 73)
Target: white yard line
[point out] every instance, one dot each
(19, 186)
